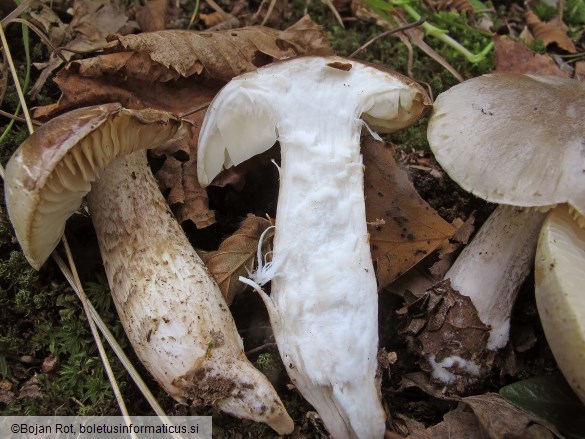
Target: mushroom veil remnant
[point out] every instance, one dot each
(517, 140)
(171, 309)
(323, 305)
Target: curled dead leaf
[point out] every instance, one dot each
(92, 22)
(488, 416)
(551, 32)
(217, 55)
(514, 57)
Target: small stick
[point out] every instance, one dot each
(269, 12)
(389, 32)
(16, 80)
(40, 34)
(97, 338)
(194, 110)
(18, 118)
(260, 348)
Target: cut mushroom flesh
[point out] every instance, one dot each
(323, 306)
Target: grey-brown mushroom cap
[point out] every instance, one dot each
(513, 139)
(50, 173)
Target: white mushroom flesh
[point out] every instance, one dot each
(324, 304)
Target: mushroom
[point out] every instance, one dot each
(560, 293)
(323, 305)
(516, 140)
(172, 311)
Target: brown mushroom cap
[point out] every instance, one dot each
(514, 139)
(50, 173)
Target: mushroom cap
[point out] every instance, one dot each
(513, 139)
(256, 109)
(560, 293)
(50, 173)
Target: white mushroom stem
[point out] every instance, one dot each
(324, 304)
(172, 311)
(492, 268)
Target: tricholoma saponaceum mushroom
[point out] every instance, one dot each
(324, 302)
(517, 140)
(170, 307)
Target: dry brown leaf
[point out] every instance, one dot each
(178, 180)
(30, 389)
(550, 32)
(458, 423)
(152, 16)
(47, 21)
(502, 420)
(177, 71)
(223, 55)
(135, 62)
(515, 57)
(403, 227)
(215, 18)
(486, 416)
(236, 256)
(464, 229)
(194, 206)
(92, 22)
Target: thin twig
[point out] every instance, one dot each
(194, 110)
(194, 15)
(269, 12)
(260, 348)
(19, 118)
(97, 338)
(40, 34)
(58, 50)
(17, 11)
(331, 6)
(16, 80)
(217, 8)
(389, 32)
